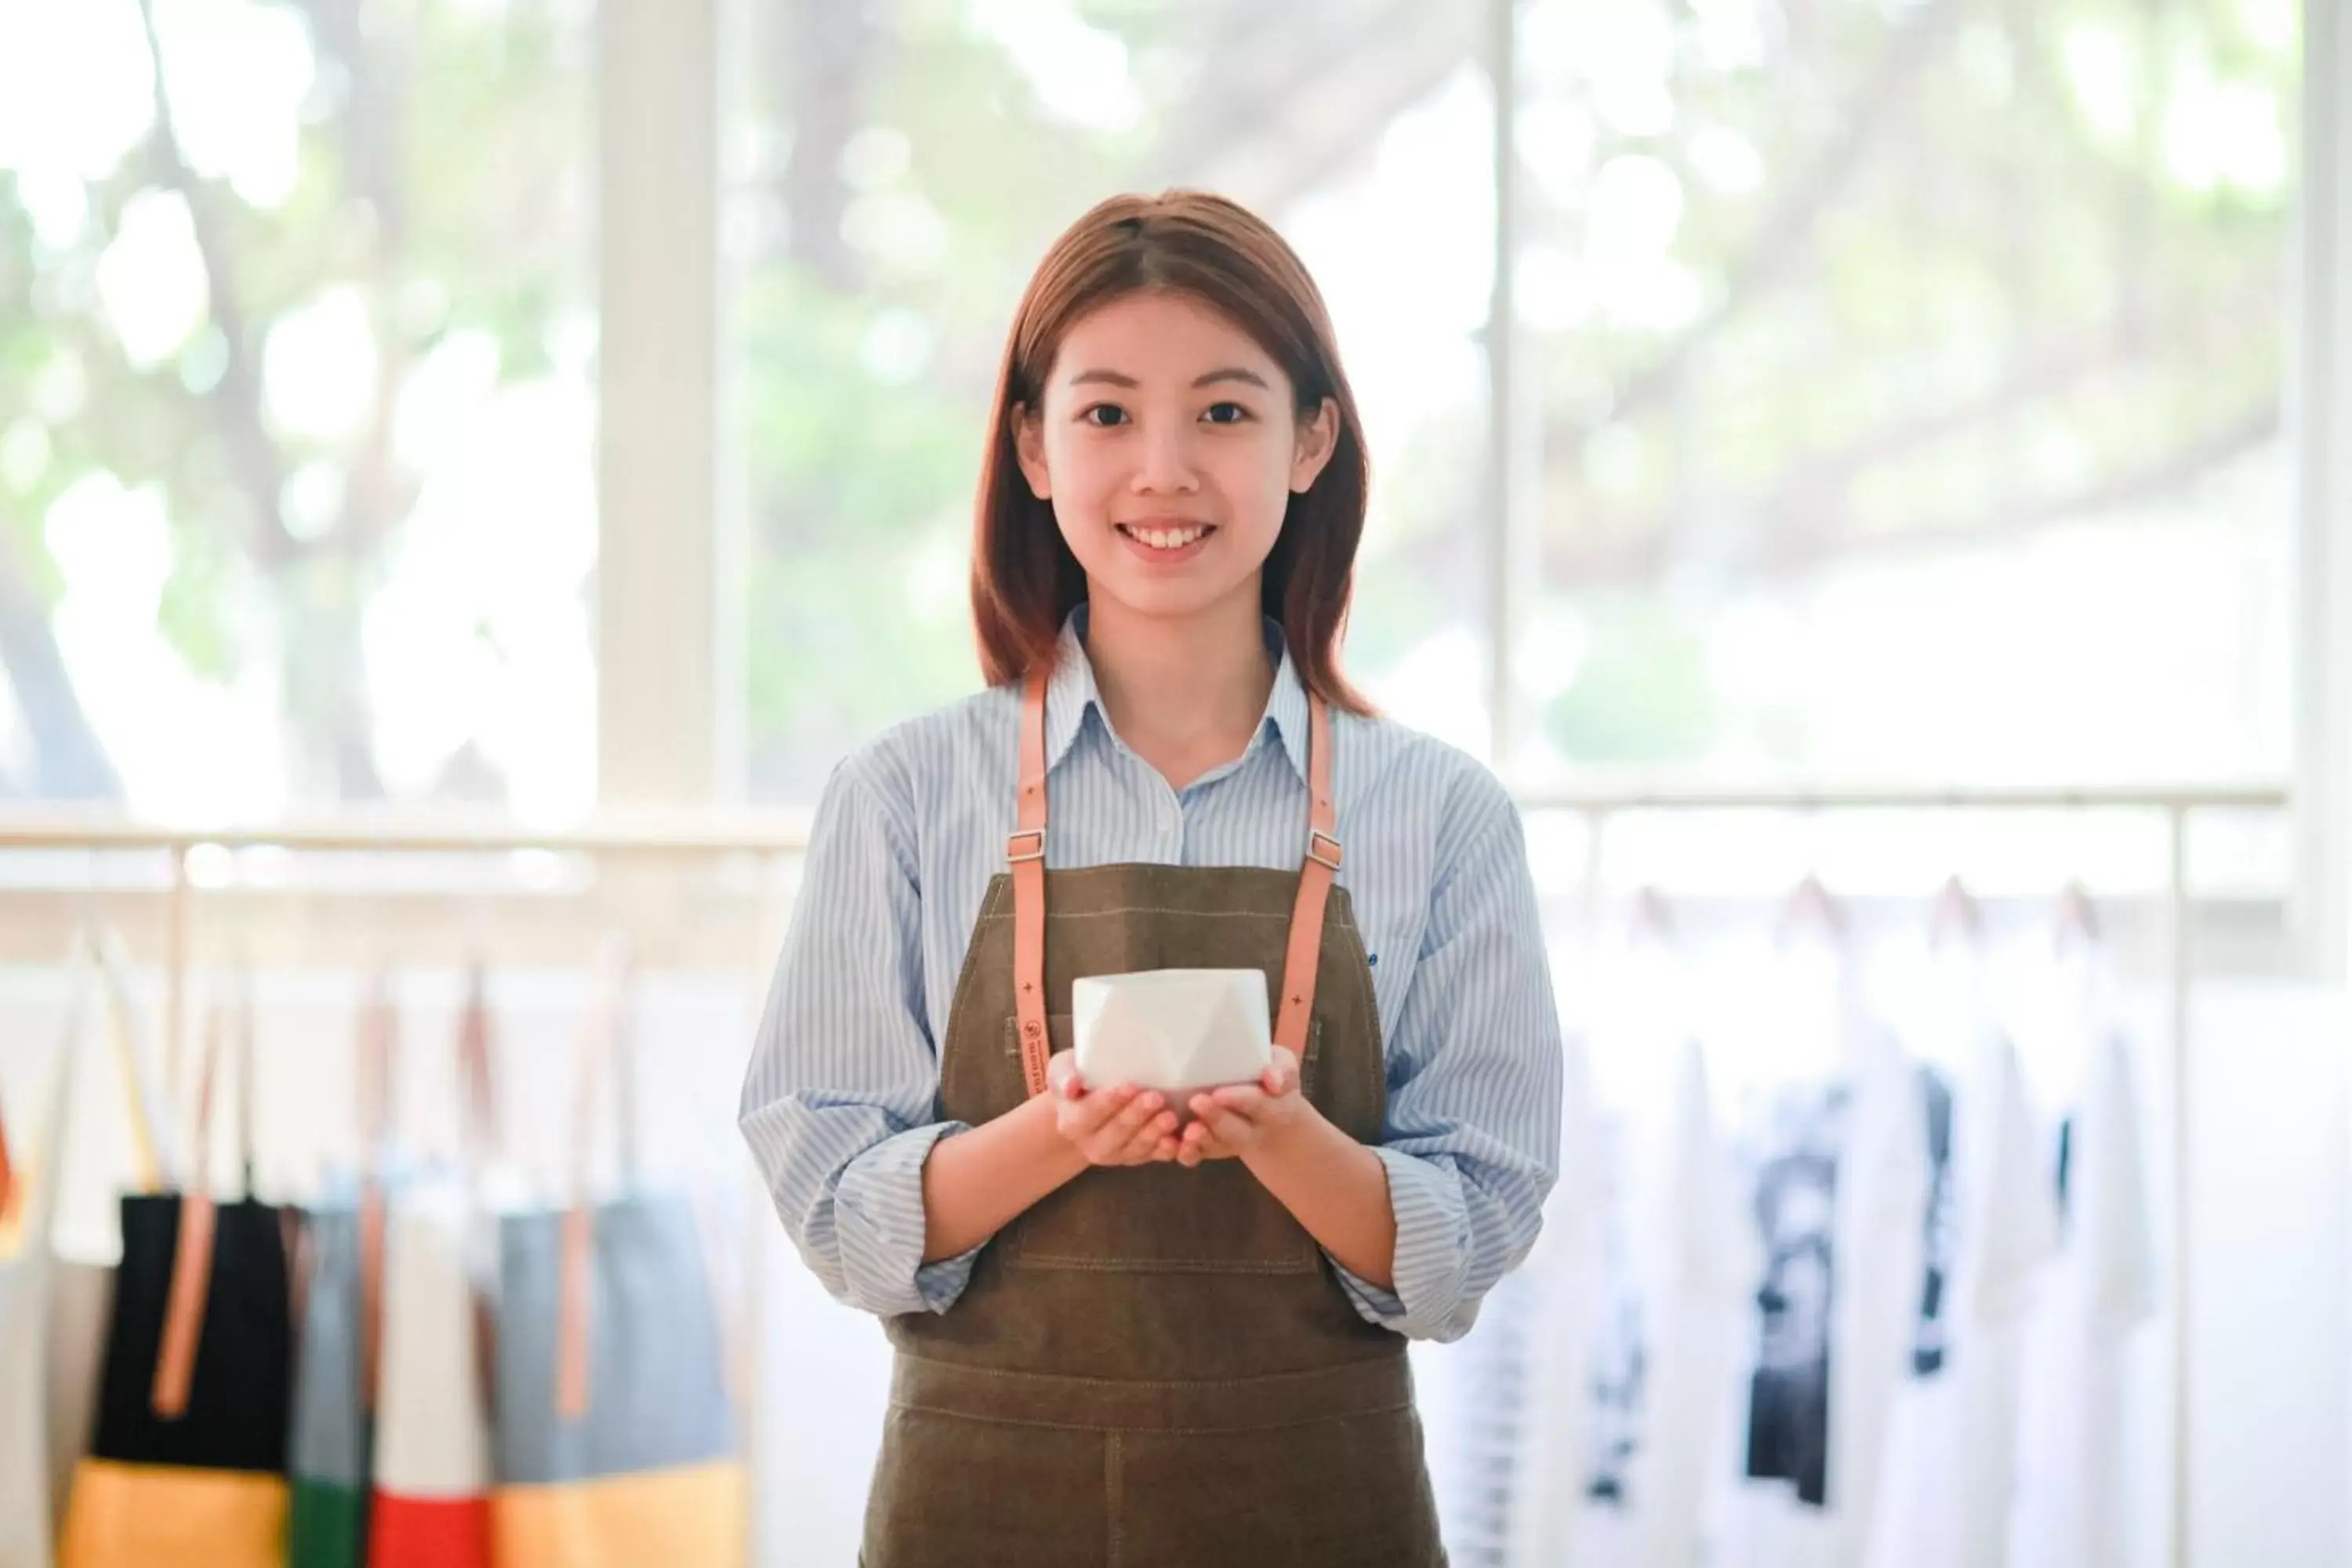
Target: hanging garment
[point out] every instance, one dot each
(188, 1466)
(44, 1329)
(1669, 1397)
(432, 1472)
(1840, 1186)
(334, 1386)
(616, 1441)
(2101, 1288)
(1951, 1446)
(1522, 1405)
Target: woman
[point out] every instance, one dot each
(1129, 1331)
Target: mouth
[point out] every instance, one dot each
(1169, 543)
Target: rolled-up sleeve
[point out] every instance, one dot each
(1472, 1138)
(840, 1100)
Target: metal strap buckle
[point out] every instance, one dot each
(1015, 852)
(1314, 842)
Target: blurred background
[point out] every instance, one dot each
(468, 469)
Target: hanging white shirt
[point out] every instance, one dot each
(1841, 1198)
(1668, 1383)
(2100, 1287)
(1951, 1446)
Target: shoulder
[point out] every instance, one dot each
(904, 771)
(1386, 766)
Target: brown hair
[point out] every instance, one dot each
(1025, 581)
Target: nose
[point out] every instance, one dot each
(1164, 459)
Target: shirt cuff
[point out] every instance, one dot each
(1431, 1231)
(880, 1220)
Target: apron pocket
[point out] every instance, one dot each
(1215, 1219)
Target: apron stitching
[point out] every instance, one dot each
(1038, 1424)
(1376, 1059)
(957, 1004)
(1110, 1492)
(1258, 1380)
(1067, 1262)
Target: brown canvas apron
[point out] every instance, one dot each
(1154, 1366)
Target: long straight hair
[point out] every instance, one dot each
(1025, 580)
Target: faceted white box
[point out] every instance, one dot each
(1175, 1030)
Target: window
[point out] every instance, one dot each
(1910, 380)
(297, 500)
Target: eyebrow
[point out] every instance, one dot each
(1231, 372)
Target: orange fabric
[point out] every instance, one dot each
(1027, 852)
(164, 1516)
(602, 1037)
(183, 1310)
(571, 1315)
(378, 1029)
(7, 1178)
(691, 1516)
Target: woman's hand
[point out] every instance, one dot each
(1120, 1125)
(1240, 1119)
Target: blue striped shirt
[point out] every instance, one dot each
(841, 1101)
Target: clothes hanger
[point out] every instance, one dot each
(1811, 905)
(1651, 919)
(2078, 923)
(1956, 914)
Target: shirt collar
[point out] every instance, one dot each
(1072, 690)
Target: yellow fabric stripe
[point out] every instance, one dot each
(691, 1516)
(170, 1516)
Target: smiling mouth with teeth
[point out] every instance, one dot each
(1168, 538)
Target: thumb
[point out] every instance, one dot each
(1282, 1076)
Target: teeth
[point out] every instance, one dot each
(1166, 539)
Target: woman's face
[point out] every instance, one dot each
(1169, 446)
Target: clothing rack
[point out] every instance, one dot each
(704, 836)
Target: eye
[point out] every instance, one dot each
(1087, 417)
(1235, 409)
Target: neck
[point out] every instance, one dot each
(1182, 686)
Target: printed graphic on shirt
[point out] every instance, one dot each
(1942, 1238)
(1796, 1217)
(1620, 1351)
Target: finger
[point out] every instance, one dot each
(1242, 1098)
(1062, 1075)
(1148, 1142)
(1086, 1115)
(1119, 1131)
(1225, 1127)
(1142, 1140)
(1282, 1076)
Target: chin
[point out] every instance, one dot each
(1168, 601)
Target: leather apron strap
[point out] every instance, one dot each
(1025, 852)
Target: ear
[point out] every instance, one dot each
(1318, 437)
(1029, 447)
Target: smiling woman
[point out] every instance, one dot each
(1144, 414)
(1208, 1316)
